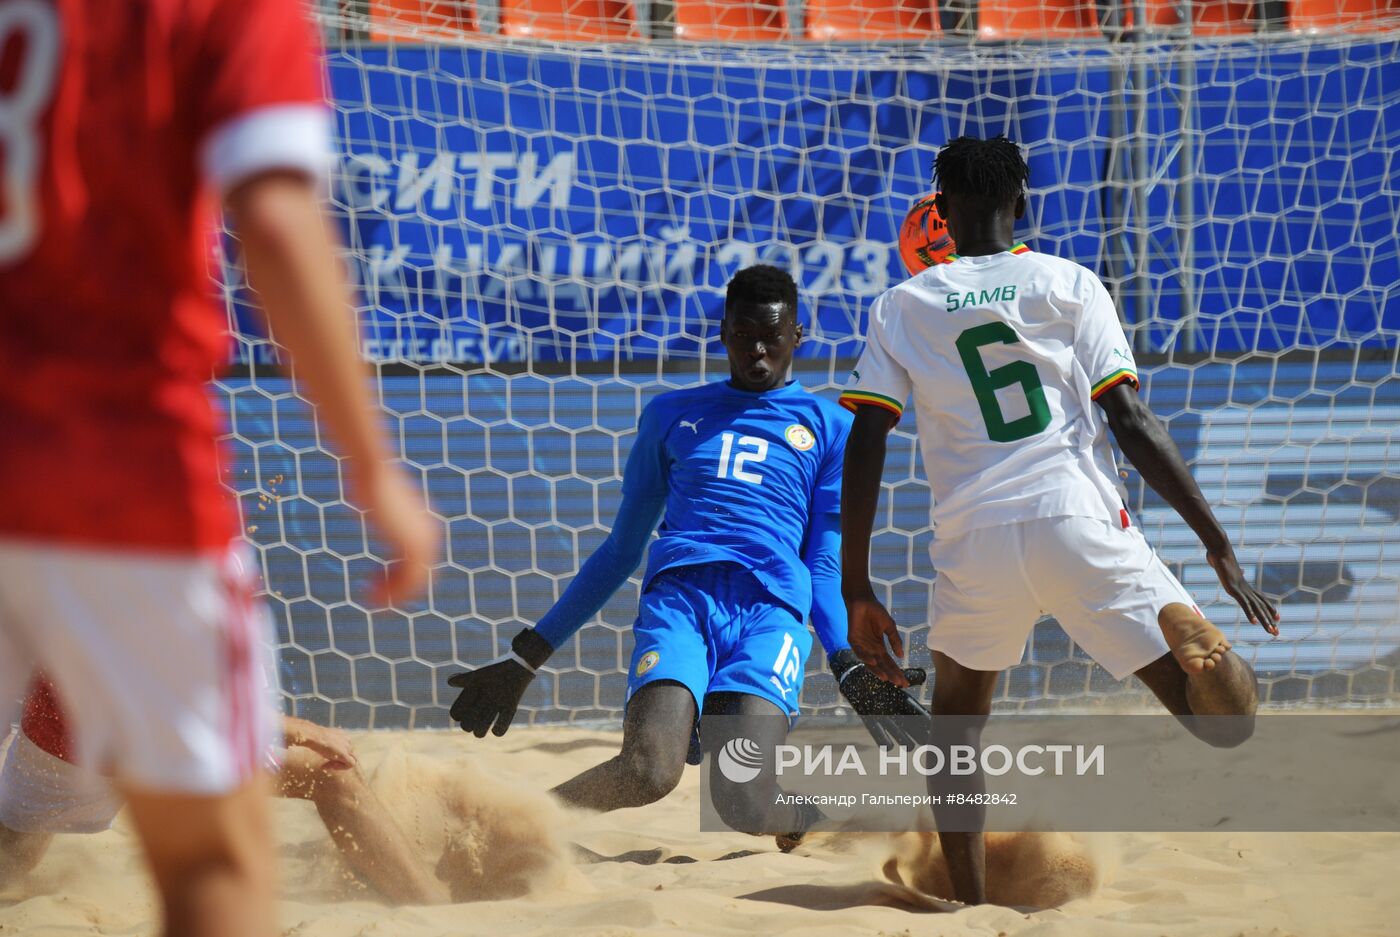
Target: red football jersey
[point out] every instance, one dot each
(126, 120)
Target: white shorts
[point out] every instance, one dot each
(41, 793)
(160, 661)
(1103, 583)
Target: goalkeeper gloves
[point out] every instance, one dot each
(491, 693)
(878, 701)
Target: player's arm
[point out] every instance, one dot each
(872, 698)
(291, 261)
(877, 395)
(490, 695)
(821, 544)
(1148, 445)
(252, 97)
(869, 623)
(1102, 349)
(821, 554)
(331, 744)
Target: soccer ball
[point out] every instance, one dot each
(923, 238)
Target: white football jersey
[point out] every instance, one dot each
(1003, 355)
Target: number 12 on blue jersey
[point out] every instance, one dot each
(759, 452)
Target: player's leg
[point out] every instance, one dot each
(41, 795)
(1227, 687)
(1217, 705)
(751, 806)
(980, 615)
(760, 650)
(1195, 643)
(368, 838)
(655, 741)
(159, 661)
(212, 858)
(16, 659)
(962, 699)
(1120, 603)
(17, 655)
(668, 675)
(20, 852)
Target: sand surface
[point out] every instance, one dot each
(520, 865)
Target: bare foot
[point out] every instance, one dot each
(1196, 644)
(787, 842)
(1024, 870)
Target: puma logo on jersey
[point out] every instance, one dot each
(693, 427)
(1120, 353)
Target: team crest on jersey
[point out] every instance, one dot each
(649, 660)
(799, 437)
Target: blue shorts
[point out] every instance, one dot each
(716, 629)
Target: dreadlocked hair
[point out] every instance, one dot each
(992, 170)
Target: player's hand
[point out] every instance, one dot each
(1256, 607)
(491, 694)
(331, 744)
(869, 627)
(877, 701)
(409, 535)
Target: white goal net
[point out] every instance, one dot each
(543, 201)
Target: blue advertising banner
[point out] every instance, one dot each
(506, 204)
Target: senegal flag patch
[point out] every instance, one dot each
(800, 437)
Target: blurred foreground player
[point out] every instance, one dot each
(122, 126)
(42, 793)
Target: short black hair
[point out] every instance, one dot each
(992, 170)
(761, 285)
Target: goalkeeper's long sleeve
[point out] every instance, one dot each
(606, 570)
(822, 556)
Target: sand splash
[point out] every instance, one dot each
(1024, 870)
(492, 840)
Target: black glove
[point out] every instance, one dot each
(877, 700)
(491, 694)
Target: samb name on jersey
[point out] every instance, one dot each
(997, 294)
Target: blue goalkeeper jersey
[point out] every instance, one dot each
(743, 475)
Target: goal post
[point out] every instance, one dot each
(540, 232)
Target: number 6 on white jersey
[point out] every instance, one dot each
(759, 453)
